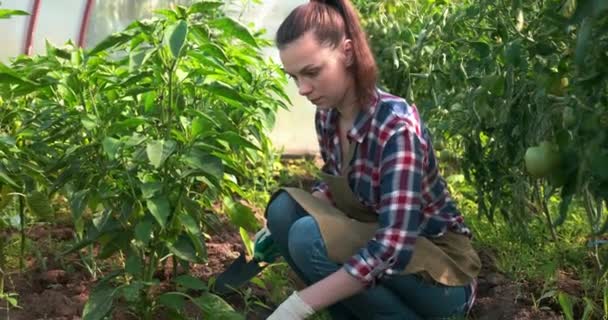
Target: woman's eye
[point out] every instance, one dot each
(313, 73)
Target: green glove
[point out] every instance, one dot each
(264, 248)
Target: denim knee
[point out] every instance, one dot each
(307, 249)
(302, 234)
(277, 214)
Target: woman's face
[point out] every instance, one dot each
(319, 71)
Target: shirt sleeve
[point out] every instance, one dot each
(401, 171)
(321, 186)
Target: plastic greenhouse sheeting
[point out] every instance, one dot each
(61, 20)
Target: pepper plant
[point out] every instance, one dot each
(143, 134)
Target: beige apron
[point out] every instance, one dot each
(347, 227)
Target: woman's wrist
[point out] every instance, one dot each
(334, 288)
(294, 308)
(320, 195)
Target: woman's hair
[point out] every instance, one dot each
(330, 22)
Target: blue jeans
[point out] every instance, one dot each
(299, 240)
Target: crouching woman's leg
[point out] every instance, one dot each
(281, 214)
(431, 300)
(307, 249)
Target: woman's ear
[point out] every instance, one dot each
(349, 54)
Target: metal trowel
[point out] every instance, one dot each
(237, 274)
(241, 270)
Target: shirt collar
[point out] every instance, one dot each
(364, 118)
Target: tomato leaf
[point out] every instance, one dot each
(583, 41)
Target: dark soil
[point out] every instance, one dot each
(499, 298)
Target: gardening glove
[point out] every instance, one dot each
(294, 308)
(264, 248)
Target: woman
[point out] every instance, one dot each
(379, 237)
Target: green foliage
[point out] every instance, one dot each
(498, 77)
(515, 94)
(142, 134)
(7, 13)
(566, 304)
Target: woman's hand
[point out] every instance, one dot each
(294, 308)
(321, 196)
(334, 288)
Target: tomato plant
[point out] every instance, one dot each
(495, 78)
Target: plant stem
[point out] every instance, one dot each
(590, 214)
(148, 306)
(175, 262)
(543, 203)
(22, 225)
(91, 262)
(170, 105)
(3, 241)
(2, 293)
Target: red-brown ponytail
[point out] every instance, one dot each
(332, 21)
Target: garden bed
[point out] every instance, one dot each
(53, 288)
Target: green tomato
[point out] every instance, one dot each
(541, 160)
(438, 144)
(445, 155)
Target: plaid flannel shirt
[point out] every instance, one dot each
(394, 172)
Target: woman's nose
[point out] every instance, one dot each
(304, 88)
